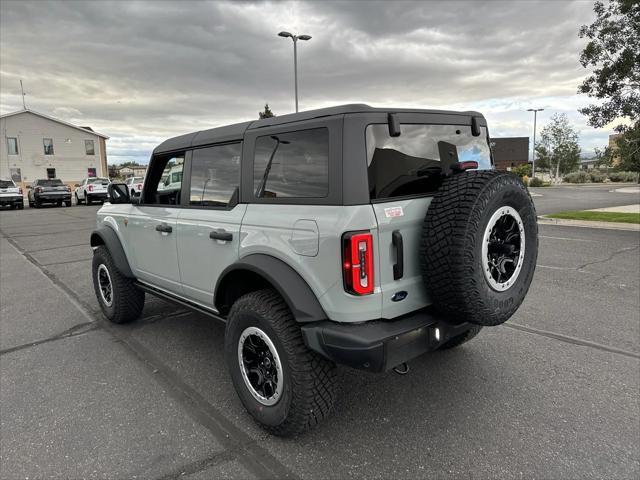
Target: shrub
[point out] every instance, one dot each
(577, 177)
(536, 182)
(523, 170)
(623, 176)
(597, 177)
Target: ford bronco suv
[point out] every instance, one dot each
(348, 235)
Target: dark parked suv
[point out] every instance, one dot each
(49, 190)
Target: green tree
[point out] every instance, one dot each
(558, 149)
(603, 157)
(267, 113)
(613, 55)
(628, 149)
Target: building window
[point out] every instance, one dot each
(48, 146)
(12, 145)
(89, 148)
(51, 173)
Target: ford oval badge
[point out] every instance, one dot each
(399, 296)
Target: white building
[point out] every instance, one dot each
(34, 145)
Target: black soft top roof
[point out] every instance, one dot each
(236, 131)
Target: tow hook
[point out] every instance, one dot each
(401, 369)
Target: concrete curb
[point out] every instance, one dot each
(631, 227)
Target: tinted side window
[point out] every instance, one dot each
(215, 175)
(294, 164)
(157, 191)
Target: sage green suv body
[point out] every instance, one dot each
(317, 217)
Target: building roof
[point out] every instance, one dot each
(236, 131)
(27, 110)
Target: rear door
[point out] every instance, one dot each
(209, 224)
(152, 228)
(404, 172)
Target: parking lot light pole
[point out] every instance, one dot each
(295, 39)
(533, 159)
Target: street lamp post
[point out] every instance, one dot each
(295, 39)
(533, 160)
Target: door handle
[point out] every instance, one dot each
(221, 235)
(164, 228)
(398, 268)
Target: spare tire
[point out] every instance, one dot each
(479, 246)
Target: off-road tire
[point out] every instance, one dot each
(310, 381)
(452, 240)
(462, 338)
(128, 300)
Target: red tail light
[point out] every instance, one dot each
(38, 189)
(357, 262)
(139, 186)
(68, 188)
(90, 188)
(20, 190)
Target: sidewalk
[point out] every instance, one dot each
(543, 220)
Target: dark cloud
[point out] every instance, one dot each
(141, 72)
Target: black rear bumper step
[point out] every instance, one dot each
(379, 345)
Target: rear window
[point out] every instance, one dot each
(50, 182)
(6, 184)
(412, 163)
(97, 180)
(294, 165)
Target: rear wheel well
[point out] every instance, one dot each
(236, 284)
(96, 240)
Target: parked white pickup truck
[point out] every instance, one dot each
(92, 189)
(10, 194)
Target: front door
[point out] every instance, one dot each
(152, 228)
(209, 224)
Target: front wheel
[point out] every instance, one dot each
(285, 387)
(120, 300)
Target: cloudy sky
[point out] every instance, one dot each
(144, 71)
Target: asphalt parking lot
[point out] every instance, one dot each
(551, 394)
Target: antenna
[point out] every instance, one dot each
(22, 90)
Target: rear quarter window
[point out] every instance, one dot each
(413, 163)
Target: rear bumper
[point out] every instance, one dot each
(53, 197)
(379, 345)
(11, 200)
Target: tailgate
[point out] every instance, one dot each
(404, 217)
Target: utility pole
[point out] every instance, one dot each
(295, 39)
(533, 161)
(24, 105)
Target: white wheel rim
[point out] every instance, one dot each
(265, 382)
(105, 287)
(502, 270)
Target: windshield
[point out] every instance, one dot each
(6, 184)
(98, 180)
(49, 183)
(413, 163)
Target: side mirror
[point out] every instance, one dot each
(118, 193)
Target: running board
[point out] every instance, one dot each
(179, 300)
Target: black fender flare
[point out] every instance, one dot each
(295, 291)
(109, 238)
